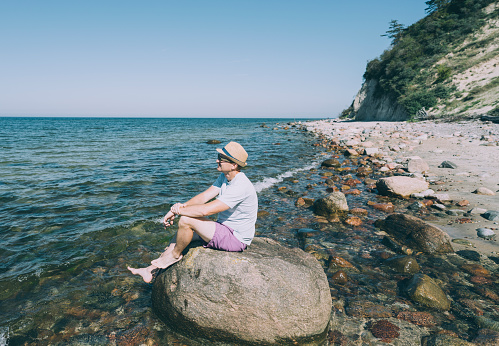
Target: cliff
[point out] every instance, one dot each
(444, 66)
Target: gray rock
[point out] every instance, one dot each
(485, 233)
(417, 165)
(335, 204)
(400, 186)
(491, 215)
(448, 164)
(475, 211)
(424, 290)
(267, 294)
(416, 233)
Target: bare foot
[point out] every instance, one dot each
(146, 273)
(166, 260)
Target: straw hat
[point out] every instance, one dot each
(234, 152)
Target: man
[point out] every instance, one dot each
(236, 204)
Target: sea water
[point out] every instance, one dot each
(82, 198)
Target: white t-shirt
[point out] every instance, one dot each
(240, 195)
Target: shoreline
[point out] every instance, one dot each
(473, 146)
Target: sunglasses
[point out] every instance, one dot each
(222, 158)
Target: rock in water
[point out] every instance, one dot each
(334, 204)
(400, 186)
(268, 294)
(416, 233)
(422, 289)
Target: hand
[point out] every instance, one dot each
(168, 219)
(175, 209)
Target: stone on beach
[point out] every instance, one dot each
(400, 186)
(491, 215)
(484, 191)
(448, 164)
(417, 165)
(485, 233)
(416, 233)
(222, 296)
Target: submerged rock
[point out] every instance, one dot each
(403, 264)
(424, 290)
(416, 233)
(267, 294)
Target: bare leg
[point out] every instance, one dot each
(146, 273)
(187, 228)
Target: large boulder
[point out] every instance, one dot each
(334, 204)
(268, 294)
(400, 186)
(416, 233)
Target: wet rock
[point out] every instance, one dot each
(419, 318)
(487, 337)
(417, 165)
(307, 233)
(484, 191)
(475, 269)
(469, 254)
(340, 277)
(425, 291)
(336, 262)
(386, 207)
(384, 330)
(353, 221)
(445, 340)
(464, 242)
(416, 233)
(403, 264)
(352, 182)
(213, 141)
(491, 215)
(416, 206)
(355, 192)
(335, 337)
(485, 233)
(448, 164)
(331, 163)
(221, 296)
(400, 186)
(364, 308)
(358, 211)
(262, 214)
(351, 152)
(335, 204)
(304, 202)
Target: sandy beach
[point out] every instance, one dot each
(473, 146)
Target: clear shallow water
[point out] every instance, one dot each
(82, 198)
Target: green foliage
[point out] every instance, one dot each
(395, 31)
(443, 73)
(406, 71)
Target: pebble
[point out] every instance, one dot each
(485, 233)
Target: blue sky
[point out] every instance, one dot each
(272, 58)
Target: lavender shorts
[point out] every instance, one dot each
(224, 239)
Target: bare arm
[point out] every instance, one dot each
(204, 196)
(200, 210)
(198, 200)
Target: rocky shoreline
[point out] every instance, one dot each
(375, 278)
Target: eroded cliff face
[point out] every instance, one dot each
(368, 107)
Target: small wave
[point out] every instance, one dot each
(268, 182)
